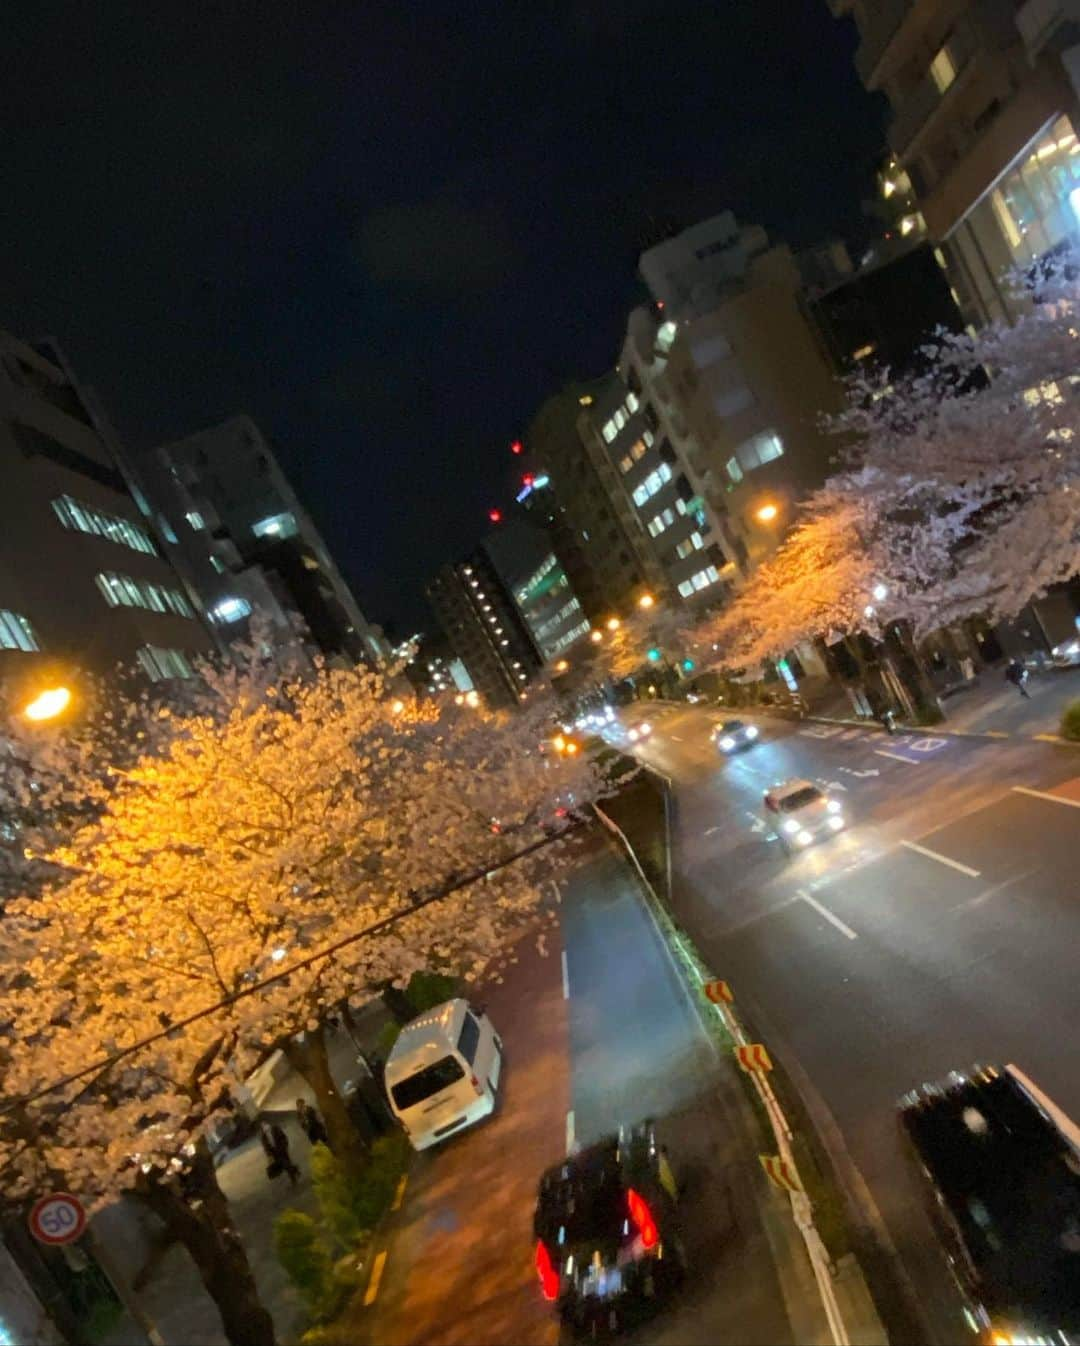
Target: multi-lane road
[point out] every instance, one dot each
(942, 928)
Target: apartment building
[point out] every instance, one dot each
(84, 584)
(984, 98)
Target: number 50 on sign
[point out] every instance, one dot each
(58, 1218)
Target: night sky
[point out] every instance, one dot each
(388, 230)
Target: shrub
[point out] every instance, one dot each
(1070, 722)
(428, 989)
(351, 1207)
(304, 1257)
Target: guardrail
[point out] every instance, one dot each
(801, 1208)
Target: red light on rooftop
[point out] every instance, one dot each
(527, 479)
(516, 446)
(495, 515)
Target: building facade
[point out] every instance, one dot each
(237, 525)
(746, 379)
(485, 630)
(984, 124)
(84, 583)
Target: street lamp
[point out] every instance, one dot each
(646, 601)
(562, 666)
(613, 623)
(47, 705)
(880, 592)
(596, 637)
(472, 699)
(767, 513)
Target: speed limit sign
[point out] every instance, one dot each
(59, 1218)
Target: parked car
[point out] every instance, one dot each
(607, 1250)
(1000, 1168)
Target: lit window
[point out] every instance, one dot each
(230, 609)
(939, 257)
(734, 471)
(158, 663)
(112, 527)
(942, 70)
(620, 418)
(912, 222)
(759, 449)
(609, 431)
(16, 633)
(638, 451)
(864, 351)
(195, 519)
(632, 402)
(625, 464)
(218, 564)
(121, 591)
(275, 525)
(686, 589)
(665, 335)
(647, 436)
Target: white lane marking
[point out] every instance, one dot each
(1042, 794)
(835, 785)
(372, 1290)
(570, 1131)
(674, 738)
(941, 859)
(710, 830)
(868, 771)
(881, 752)
(565, 978)
(824, 911)
(820, 731)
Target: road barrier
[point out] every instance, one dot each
(781, 1168)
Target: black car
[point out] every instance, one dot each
(606, 1248)
(734, 735)
(1003, 1180)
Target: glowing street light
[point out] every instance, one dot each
(767, 513)
(562, 666)
(596, 637)
(880, 592)
(47, 705)
(613, 623)
(646, 601)
(472, 699)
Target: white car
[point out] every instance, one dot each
(801, 813)
(1067, 654)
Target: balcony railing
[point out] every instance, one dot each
(877, 35)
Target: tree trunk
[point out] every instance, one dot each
(195, 1210)
(310, 1059)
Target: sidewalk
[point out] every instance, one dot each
(173, 1297)
(989, 707)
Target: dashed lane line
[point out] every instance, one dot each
(372, 1291)
(911, 761)
(846, 930)
(570, 1131)
(565, 977)
(1043, 794)
(941, 859)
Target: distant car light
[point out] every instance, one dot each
(833, 805)
(727, 743)
(645, 728)
(836, 821)
(632, 735)
(791, 826)
(751, 731)
(804, 838)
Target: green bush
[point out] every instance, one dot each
(351, 1206)
(304, 1257)
(1070, 722)
(428, 989)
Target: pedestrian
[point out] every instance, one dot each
(275, 1144)
(311, 1123)
(1017, 674)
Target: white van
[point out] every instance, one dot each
(443, 1071)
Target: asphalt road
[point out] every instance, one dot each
(604, 1037)
(872, 965)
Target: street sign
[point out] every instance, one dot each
(780, 1173)
(753, 1057)
(59, 1218)
(719, 992)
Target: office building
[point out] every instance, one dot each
(742, 380)
(984, 126)
(591, 522)
(240, 528)
(485, 630)
(84, 586)
(522, 555)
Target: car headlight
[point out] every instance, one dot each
(645, 728)
(804, 838)
(833, 805)
(727, 743)
(751, 731)
(791, 826)
(1073, 647)
(633, 735)
(836, 821)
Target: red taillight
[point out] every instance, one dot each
(476, 1084)
(560, 813)
(642, 1217)
(549, 1277)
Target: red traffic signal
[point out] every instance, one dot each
(516, 447)
(527, 479)
(495, 515)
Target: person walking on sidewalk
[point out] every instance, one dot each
(1017, 674)
(275, 1144)
(311, 1123)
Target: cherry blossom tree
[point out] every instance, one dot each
(220, 902)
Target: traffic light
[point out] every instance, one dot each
(516, 447)
(688, 665)
(654, 655)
